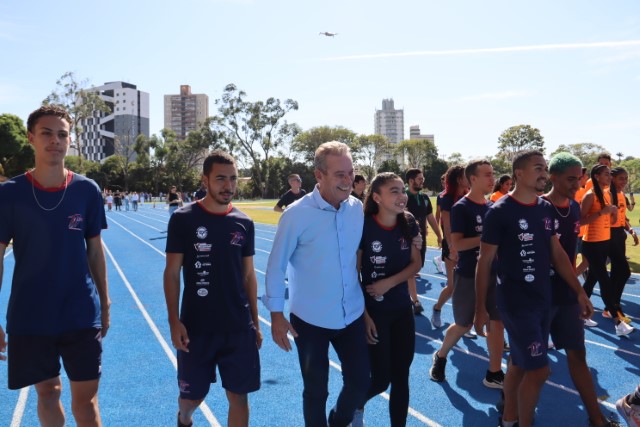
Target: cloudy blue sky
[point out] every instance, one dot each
(462, 70)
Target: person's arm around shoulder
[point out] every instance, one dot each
(98, 268)
(3, 337)
(171, 279)
(250, 284)
(483, 273)
(563, 267)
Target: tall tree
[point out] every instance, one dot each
(255, 130)
(369, 151)
(416, 152)
(587, 152)
(80, 102)
(518, 138)
(308, 141)
(16, 154)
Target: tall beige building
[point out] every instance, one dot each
(185, 112)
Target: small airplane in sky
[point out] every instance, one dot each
(328, 34)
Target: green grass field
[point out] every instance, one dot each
(256, 210)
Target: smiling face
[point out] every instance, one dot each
(620, 181)
(391, 197)
(50, 139)
(336, 181)
(533, 175)
(567, 183)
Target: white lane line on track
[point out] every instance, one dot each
(143, 223)
(138, 237)
(416, 414)
(16, 420)
(163, 343)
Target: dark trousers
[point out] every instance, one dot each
(597, 253)
(620, 271)
(350, 345)
(391, 359)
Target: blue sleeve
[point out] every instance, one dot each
(491, 228)
(249, 248)
(175, 242)
(457, 218)
(96, 217)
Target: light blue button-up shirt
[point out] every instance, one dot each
(317, 245)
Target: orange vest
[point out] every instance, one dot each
(496, 196)
(622, 211)
(600, 229)
(578, 198)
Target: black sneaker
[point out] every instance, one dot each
(502, 425)
(437, 369)
(494, 379)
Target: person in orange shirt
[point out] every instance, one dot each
(502, 187)
(584, 264)
(598, 213)
(620, 271)
(603, 159)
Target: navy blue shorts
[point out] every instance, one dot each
(33, 359)
(445, 249)
(567, 328)
(528, 337)
(235, 354)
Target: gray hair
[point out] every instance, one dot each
(335, 148)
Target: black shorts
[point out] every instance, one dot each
(33, 359)
(235, 354)
(445, 250)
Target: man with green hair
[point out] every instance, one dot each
(567, 328)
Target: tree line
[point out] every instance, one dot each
(268, 148)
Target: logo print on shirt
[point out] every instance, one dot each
(535, 348)
(202, 247)
(376, 246)
(74, 222)
(525, 237)
(478, 219)
(556, 224)
(377, 259)
(237, 238)
(547, 224)
(523, 224)
(529, 278)
(203, 292)
(201, 233)
(403, 244)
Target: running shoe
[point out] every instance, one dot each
(625, 319)
(437, 369)
(417, 308)
(493, 379)
(436, 320)
(590, 323)
(358, 418)
(630, 413)
(502, 425)
(437, 261)
(606, 314)
(623, 329)
(470, 334)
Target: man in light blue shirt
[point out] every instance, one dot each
(316, 243)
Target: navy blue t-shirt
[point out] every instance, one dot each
(446, 203)
(52, 291)
(467, 218)
(213, 246)
(420, 207)
(522, 234)
(566, 223)
(385, 252)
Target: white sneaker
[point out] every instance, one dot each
(631, 413)
(590, 323)
(358, 418)
(471, 334)
(623, 329)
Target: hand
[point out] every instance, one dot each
(105, 318)
(439, 241)
(378, 288)
(259, 338)
(586, 308)
(179, 337)
(480, 321)
(635, 239)
(370, 328)
(609, 209)
(3, 344)
(417, 241)
(453, 255)
(279, 328)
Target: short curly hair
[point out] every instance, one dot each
(47, 110)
